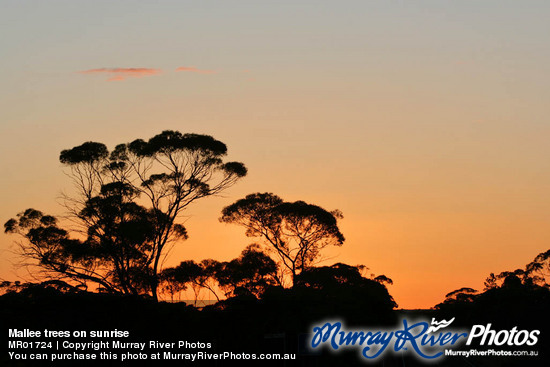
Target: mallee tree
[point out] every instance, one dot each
(296, 232)
(127, 209)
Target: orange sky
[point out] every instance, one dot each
(426, 125)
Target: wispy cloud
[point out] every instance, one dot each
(118, 74)
(192, 69)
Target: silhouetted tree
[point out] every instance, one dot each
(539, 269)
(188, 273)
(29, 287)
(128, 203)
(490, 282)
(58, 255)
(114, 254)
(529, 283)
(344, 284)
(382, 279)
(7, 286)
(251, 273)
(461, 291)
(537, 272)
(364, 271)
(458, 296)
(295, 231)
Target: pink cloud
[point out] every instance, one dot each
(193, 69)
(118, 74)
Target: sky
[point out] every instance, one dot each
(424, 122)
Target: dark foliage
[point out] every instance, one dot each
(127, 204)
(295, 231)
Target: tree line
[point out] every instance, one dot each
(126, 211)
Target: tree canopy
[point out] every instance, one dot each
(295, 231)
(537, 272)
(127, 205)
(532, 279)
(249, 274)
